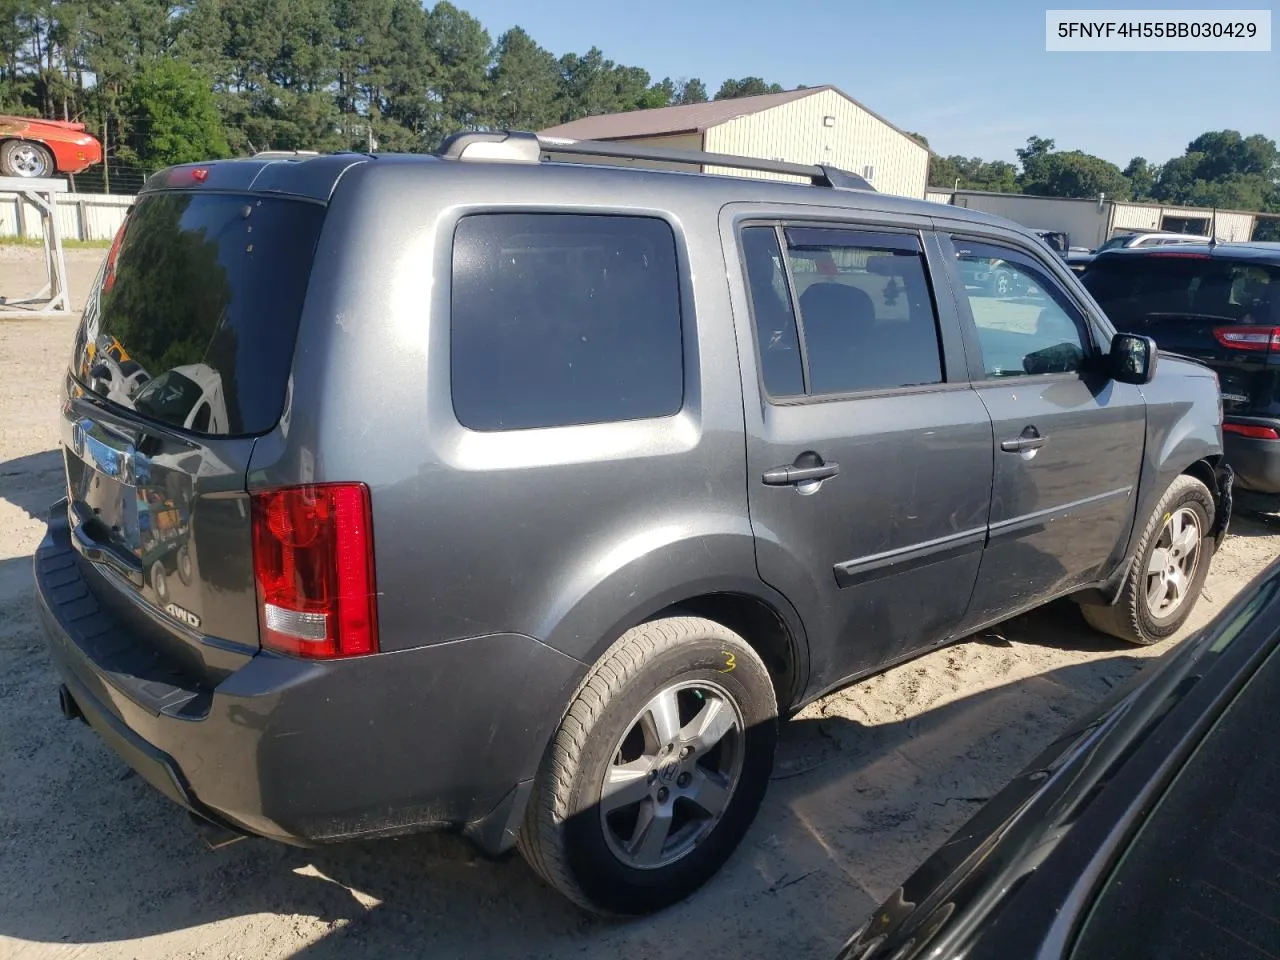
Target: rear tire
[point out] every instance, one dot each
(616, 772)
(1178, 544)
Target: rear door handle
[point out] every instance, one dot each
(792, 474)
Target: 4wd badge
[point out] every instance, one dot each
(186, 616)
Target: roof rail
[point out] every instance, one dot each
(286, 153)
(522, 147)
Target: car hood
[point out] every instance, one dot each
(35, 127)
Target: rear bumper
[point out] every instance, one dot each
(1256, 462)
(442, 737)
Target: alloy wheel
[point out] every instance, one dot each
(27, 161)
(672, 775)
(1171, 568)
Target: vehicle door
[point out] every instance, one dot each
(868, 455)
(1068, 438)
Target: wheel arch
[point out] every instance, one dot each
(705, 567)
(1206, 469)
(741, 601)
(48, 150)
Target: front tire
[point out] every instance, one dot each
(23, 158)
(1168, 571)
(657, 770)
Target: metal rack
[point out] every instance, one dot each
(521, 147)
(52, 299)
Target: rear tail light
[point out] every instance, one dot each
(1254, 339)
(313, 562)
(1252, 431)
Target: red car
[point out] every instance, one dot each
(30, 147)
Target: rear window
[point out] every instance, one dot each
(196, 309)
(1170, 284)
(561, 319)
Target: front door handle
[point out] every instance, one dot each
(1030, 440)
(800, 473)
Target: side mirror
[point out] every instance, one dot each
(1132, 358)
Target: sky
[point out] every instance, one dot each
(973, 77)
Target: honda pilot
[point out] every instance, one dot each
(519, 496)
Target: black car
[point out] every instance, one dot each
(1148, 830)
(1219, 304)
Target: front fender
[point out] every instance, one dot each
(1183, 429)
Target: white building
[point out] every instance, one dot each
(814, 125)
(1090, 223)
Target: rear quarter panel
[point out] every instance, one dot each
(567, 535)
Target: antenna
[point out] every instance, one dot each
(1213, 229)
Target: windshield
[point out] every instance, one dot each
(196, 309)
(1132, 288)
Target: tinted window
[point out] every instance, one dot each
(865, 310)
(200, 298)
(1026, 324)
(1169, 285)
(1120, 240)
(563, 319)
(777, 343)
(1197, 225)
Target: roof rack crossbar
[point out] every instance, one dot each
(530, 148)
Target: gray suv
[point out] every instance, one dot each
(503, 494)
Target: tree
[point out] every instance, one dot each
(1226, 153)
(460, 90)
(746, 87)
(173, 107)
(1142, 177)
(1033, 158)
(403, 120)
(661, 94)
(689, 91)
(525, 83)
(1074, 173)
(631, 89)
(1222, 168)
(972, 173)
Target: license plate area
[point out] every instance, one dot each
(102, 478)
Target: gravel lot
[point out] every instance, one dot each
(94, 863)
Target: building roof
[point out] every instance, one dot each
(690, 118)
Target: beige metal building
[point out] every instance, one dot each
(813, 125)
(1090, 223)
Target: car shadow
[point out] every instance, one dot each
(32, 483)
(90, 853)
(1249, 523)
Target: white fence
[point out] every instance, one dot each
(81, 216)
